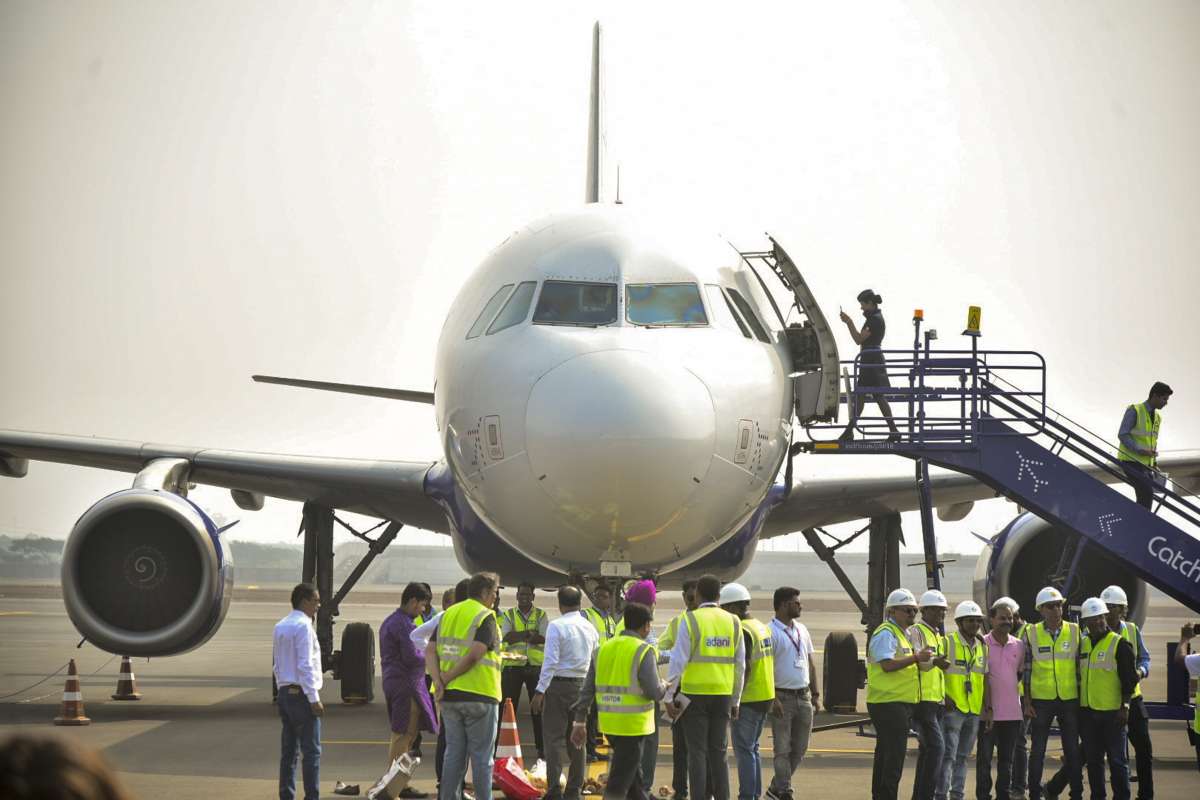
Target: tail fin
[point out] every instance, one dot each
(595, 160)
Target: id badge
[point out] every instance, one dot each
(799, 663)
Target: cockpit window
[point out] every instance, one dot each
(489, 311)
(516, 309)
(722, 310)
(751, 318)
(664, 304)
(570, 303)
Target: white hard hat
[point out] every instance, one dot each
(1114, 595)
(1049, 595)
(1092, 607)
(733, 593)
(1007, 601)
(968, 608)
(901, 597)
(934, 598)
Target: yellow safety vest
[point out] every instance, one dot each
(622, 709)
(456, 634)
(605, 626)
(1053, 661)
(933, 680)
(902, 685)
(714, 633)
(529, 653)
(760, 677)
(1099, 683)
(964, 676)
(667, 640)
(1130, 634)
(1144, 435)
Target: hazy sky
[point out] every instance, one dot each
(194, 192)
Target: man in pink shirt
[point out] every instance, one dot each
(1000, 722)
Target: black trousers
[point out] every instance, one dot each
(1104, 737)
(624, 768)
(1139, 477)
(705, 724)
(679, 773)
(891, 721)
(927, 720)
(1139, 737)
(512, 680)
(1001, 738)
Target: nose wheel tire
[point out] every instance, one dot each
(840, 673)
(356, 663)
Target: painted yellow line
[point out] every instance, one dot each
(16, 613)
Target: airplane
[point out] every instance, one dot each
(613, 397)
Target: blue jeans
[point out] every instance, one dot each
(927, 721)
(1071, 773)
(470, 734)
(958, 731)
(747, 729)
(1104, 736)
(301, 731)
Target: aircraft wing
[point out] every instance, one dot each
(829, 501)
(392, 490)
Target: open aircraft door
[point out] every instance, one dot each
(813, 347)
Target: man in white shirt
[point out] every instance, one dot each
(571, 640)
(1190, 662)
(796, 694)
(298, 674)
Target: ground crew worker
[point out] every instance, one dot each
(666, 642)
(927, 716)
(1138, 435)
(645, 592)
(1107, 678)
(758, 693)
(893, 689)
(1190, 662)
(623, 682)
(464, 657)
(296, 658)
(1139, 720)
(966, 691)
(524, 632)
(605, 623)
(1052, 692)
(708, 664)
(796, 694)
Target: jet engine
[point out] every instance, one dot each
(1030, 553)
(145, 573)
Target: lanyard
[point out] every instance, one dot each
(794, 639)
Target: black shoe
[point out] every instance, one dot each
(847, 436)
(795, 448)
(345, 788)
(894, 438)
(410, 793)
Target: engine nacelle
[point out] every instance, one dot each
(145, 573)
(1025, 557)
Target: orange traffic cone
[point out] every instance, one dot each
(126, 686)
(72, 702)
(509, 745)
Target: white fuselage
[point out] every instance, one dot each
(617, 442)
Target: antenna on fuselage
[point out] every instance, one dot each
(595, 161)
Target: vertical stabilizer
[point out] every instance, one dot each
(595, 160)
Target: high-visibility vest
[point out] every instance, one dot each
(667, 640)
(605, 626)
(964, 676)
(622, 709)
(1144, 435)
(456, 634)
(1129, 632)
(529, 653)
(933, 680)
(902, 685)
(1053, 661)
(1099, 683)
(760, 676)
(714, 633)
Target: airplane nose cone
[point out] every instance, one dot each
(620, 442)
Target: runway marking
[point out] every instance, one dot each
(16, 613)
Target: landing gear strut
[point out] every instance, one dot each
(354, 664)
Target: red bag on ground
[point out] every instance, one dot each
(508, 776)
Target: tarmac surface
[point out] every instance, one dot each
(206, 726)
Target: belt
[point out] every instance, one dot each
(564, 678)
(291, 688)
(802, 692)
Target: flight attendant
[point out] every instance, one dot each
(872, 371)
